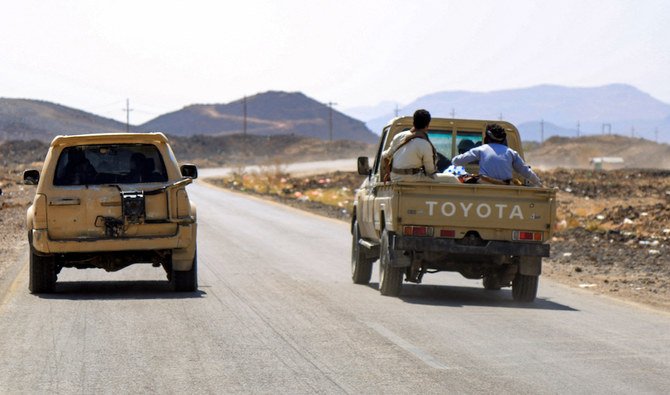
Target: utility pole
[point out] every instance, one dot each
(656, 134)
(330, 120)
(453, 112)
(127, 110)
(542, 131)
(396, 110)
(244, 124)
(607, 126)
(578, 126)
(500, 117)
(632, 131)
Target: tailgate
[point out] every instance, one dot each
(80, 212)
(482, 208)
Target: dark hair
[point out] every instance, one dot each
(495, 134)
(421, 119)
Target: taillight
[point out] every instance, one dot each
(526, 235)
(447, 233)
(183, 205)
(417, 231)
(40, 212)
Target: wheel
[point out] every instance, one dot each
(42, 273)
(361, 266)
(524, 288)
(390, 278)
(491, 283)
(186, 281)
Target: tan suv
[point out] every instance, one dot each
(109, 201)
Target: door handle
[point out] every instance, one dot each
(65, 202)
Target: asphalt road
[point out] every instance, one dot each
(276, 312)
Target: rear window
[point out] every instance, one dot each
(110, 164)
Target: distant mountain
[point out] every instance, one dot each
(622, 106)
(23, 119)
(269, 113)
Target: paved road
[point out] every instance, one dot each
(277, 313)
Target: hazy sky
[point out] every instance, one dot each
(164, 55)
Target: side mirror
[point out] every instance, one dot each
(31, 177)
(363, 165)
(189, 171)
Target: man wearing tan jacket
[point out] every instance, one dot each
(411, 156)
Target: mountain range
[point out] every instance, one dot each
(616, 108)
(539, 112)
(269, 113)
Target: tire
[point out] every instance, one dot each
(390, 278)
(186, 281)
(361, 266)
(491, 283)
(524, 288)
(42, 273)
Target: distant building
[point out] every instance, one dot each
(607, 162)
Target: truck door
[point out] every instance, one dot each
(369, 192)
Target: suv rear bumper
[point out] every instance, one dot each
(184, 238)
(413, 243)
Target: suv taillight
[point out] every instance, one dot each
(40, 212)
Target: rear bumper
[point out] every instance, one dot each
(184, 238)
(412, 243)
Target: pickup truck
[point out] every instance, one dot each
(497, 233)
(109, 201)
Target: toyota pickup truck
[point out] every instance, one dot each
(109, 201)
(497, 233)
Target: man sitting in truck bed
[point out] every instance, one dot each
(496, 160)
(411, 156)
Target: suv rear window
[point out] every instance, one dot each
(110, 164)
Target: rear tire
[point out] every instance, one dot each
(42, 273)
(390, 278)
(186, 281)
(524, 288)
(361, 266)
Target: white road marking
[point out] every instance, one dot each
(407, 346)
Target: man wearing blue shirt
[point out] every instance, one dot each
(496, 159)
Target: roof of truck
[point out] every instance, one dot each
(102, 138)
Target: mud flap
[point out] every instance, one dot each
(530, 265)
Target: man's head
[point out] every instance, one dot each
(421, 119)
(495, 134)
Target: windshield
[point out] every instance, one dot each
(110, 164)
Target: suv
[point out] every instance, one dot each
(108, 201)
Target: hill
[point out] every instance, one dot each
(577, 152)
(627, 109)
(23, 119)
(269, 113)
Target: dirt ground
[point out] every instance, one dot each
(14, 202)
(612, 236)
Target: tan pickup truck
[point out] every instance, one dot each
(108, 201)
(497, 233)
